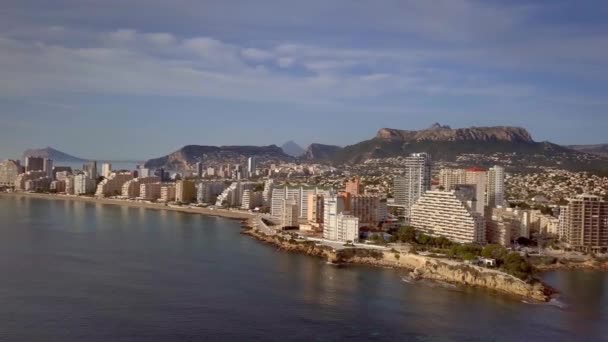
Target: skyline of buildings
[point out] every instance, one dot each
(463, 205)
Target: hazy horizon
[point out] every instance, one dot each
(95, 81)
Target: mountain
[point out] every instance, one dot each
(600, 149)
(292, 149)
(51, 153)
(321, 152)
(483, 146)
(192, 154)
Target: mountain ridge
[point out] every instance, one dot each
(191, 154)
(292, 148)
(51, 153)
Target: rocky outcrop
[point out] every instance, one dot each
(321, 152)
(192, 154)
(51, 153)
(421, 267)
(292, 148)
(445, 133)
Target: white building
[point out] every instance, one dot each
(289, 217)
(9, 170)
(207, 191)
(232, 196)
(447, 214)
(415, 181)
(252, 165)
(333, 205)
(495, 196)
(297, 193)
(112, 185)
(347, 228)
(106, 169)
(506, 225)
(84, 185)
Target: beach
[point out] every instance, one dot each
(230, 214)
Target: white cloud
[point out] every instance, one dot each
(285, 62)
(257, 55)
(131, 62)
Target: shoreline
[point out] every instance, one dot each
(420, 267)
(228, 214)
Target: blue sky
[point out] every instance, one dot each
(138, 79)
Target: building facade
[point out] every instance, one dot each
(415, 181)
(112, 185)
(9, 170)
(586, 223)
(495, 195)
(447, 214)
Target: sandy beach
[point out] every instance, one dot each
(235, 215)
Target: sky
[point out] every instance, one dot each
(138, 79)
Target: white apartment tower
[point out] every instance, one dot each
(415, 182)
(106, 170)
(333, 205)
(495, 195)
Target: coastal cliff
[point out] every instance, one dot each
(420, 267)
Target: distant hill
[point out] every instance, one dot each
(192, 154)
(292, 148)
(51, 153)
(321, 152)
(599, 149)
(512, 146)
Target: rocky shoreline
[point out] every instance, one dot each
(420, 267)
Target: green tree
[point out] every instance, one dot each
(493, 251)
(423, 239)
(407, 234)
(516, 265)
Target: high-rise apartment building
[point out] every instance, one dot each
(586, 223)
(366, 208)
(84, 185)
(353, 186)
(289, 217)
(447, 214)
(298, 193)
(252, 165)
(199, 169)
(47, 166)
(449, 179)
(149, 191)
(112, 185)
(106, 169)
(34, 164)
(506, 225)
(22, 178)
(333, 205)
(167, 192)
(347, 228)
(9, 170)
(131, 188)
(495, 194)
(90, 169)
(315, 213)
(415, 181)
(185, 191)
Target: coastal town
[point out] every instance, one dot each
(486, 218)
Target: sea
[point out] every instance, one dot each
(79, 271)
